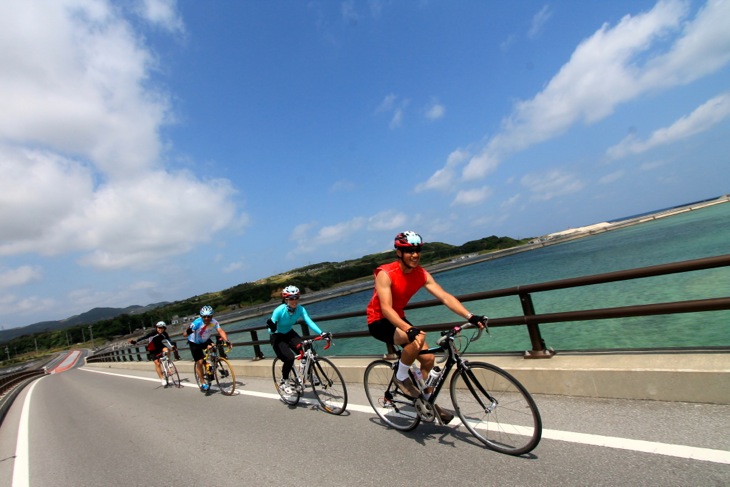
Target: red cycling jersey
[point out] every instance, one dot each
(403, 287)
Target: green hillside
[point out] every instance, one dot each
(118, 322)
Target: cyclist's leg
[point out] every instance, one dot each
(290, 395)
(158, 367)
(388, 333)
(197, 351)
(390, 405)
(282, 349)
(409, 354)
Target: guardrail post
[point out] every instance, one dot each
(257, 353)
(539, 350)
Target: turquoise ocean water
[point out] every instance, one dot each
(691, 235)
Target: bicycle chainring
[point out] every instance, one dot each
(425, 410)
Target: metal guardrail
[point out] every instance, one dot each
(530, 319)
(10, 387)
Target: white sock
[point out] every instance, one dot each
(402, 372)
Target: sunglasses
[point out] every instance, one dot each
(293, 298)
(411, 250)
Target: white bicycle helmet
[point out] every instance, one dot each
(161, 324)
(290, 291)
(206, 311)
(408, 240)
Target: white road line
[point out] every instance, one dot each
(657, 448)
(21, 470)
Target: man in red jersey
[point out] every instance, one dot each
(395, 285)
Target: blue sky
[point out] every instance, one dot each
(155, 150)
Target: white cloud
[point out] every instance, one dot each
(19, 276)
(14, 305)
(118, 228)
(387, 104)
(472, 196)
(435, 111)
(539, 21)
(615, 65)
(328, 235)
(611, 178)
(397, 120)
(73, 80)
(550, 185)
(701, 119)
(234, 267)
(41, 189)
(79, 139)
(444, 178)
(342, 185)
(162, 13)
(387, 220)
(395, 105)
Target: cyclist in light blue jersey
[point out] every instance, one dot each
(199, 333)
(284, 339)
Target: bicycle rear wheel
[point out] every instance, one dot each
(171, 375)
(328, 385)
(509, 422)
(289, 398)
(394, 409)
(224, 376)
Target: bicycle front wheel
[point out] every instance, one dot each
(290, 396)
(496, 408)
(224, 376)
(394, 409)
(171, 375)
(328, 385)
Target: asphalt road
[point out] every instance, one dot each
(114, 427)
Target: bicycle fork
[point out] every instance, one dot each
(470, 380)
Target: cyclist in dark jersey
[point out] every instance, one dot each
(159, 343)
(395, 285)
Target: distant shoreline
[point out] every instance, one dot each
(364, 284)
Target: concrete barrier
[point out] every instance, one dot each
(682, 377)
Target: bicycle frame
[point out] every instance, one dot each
(453, 358)
(307, 352)
(317, 372)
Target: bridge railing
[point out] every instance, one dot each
(528, 319)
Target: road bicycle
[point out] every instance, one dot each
(492, 404)
(217, 368)
(169, 370)
(318, 372)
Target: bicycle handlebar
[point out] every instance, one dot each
(450, 334)
(326, 336)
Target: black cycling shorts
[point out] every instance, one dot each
(383, 330)
(197, 350)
